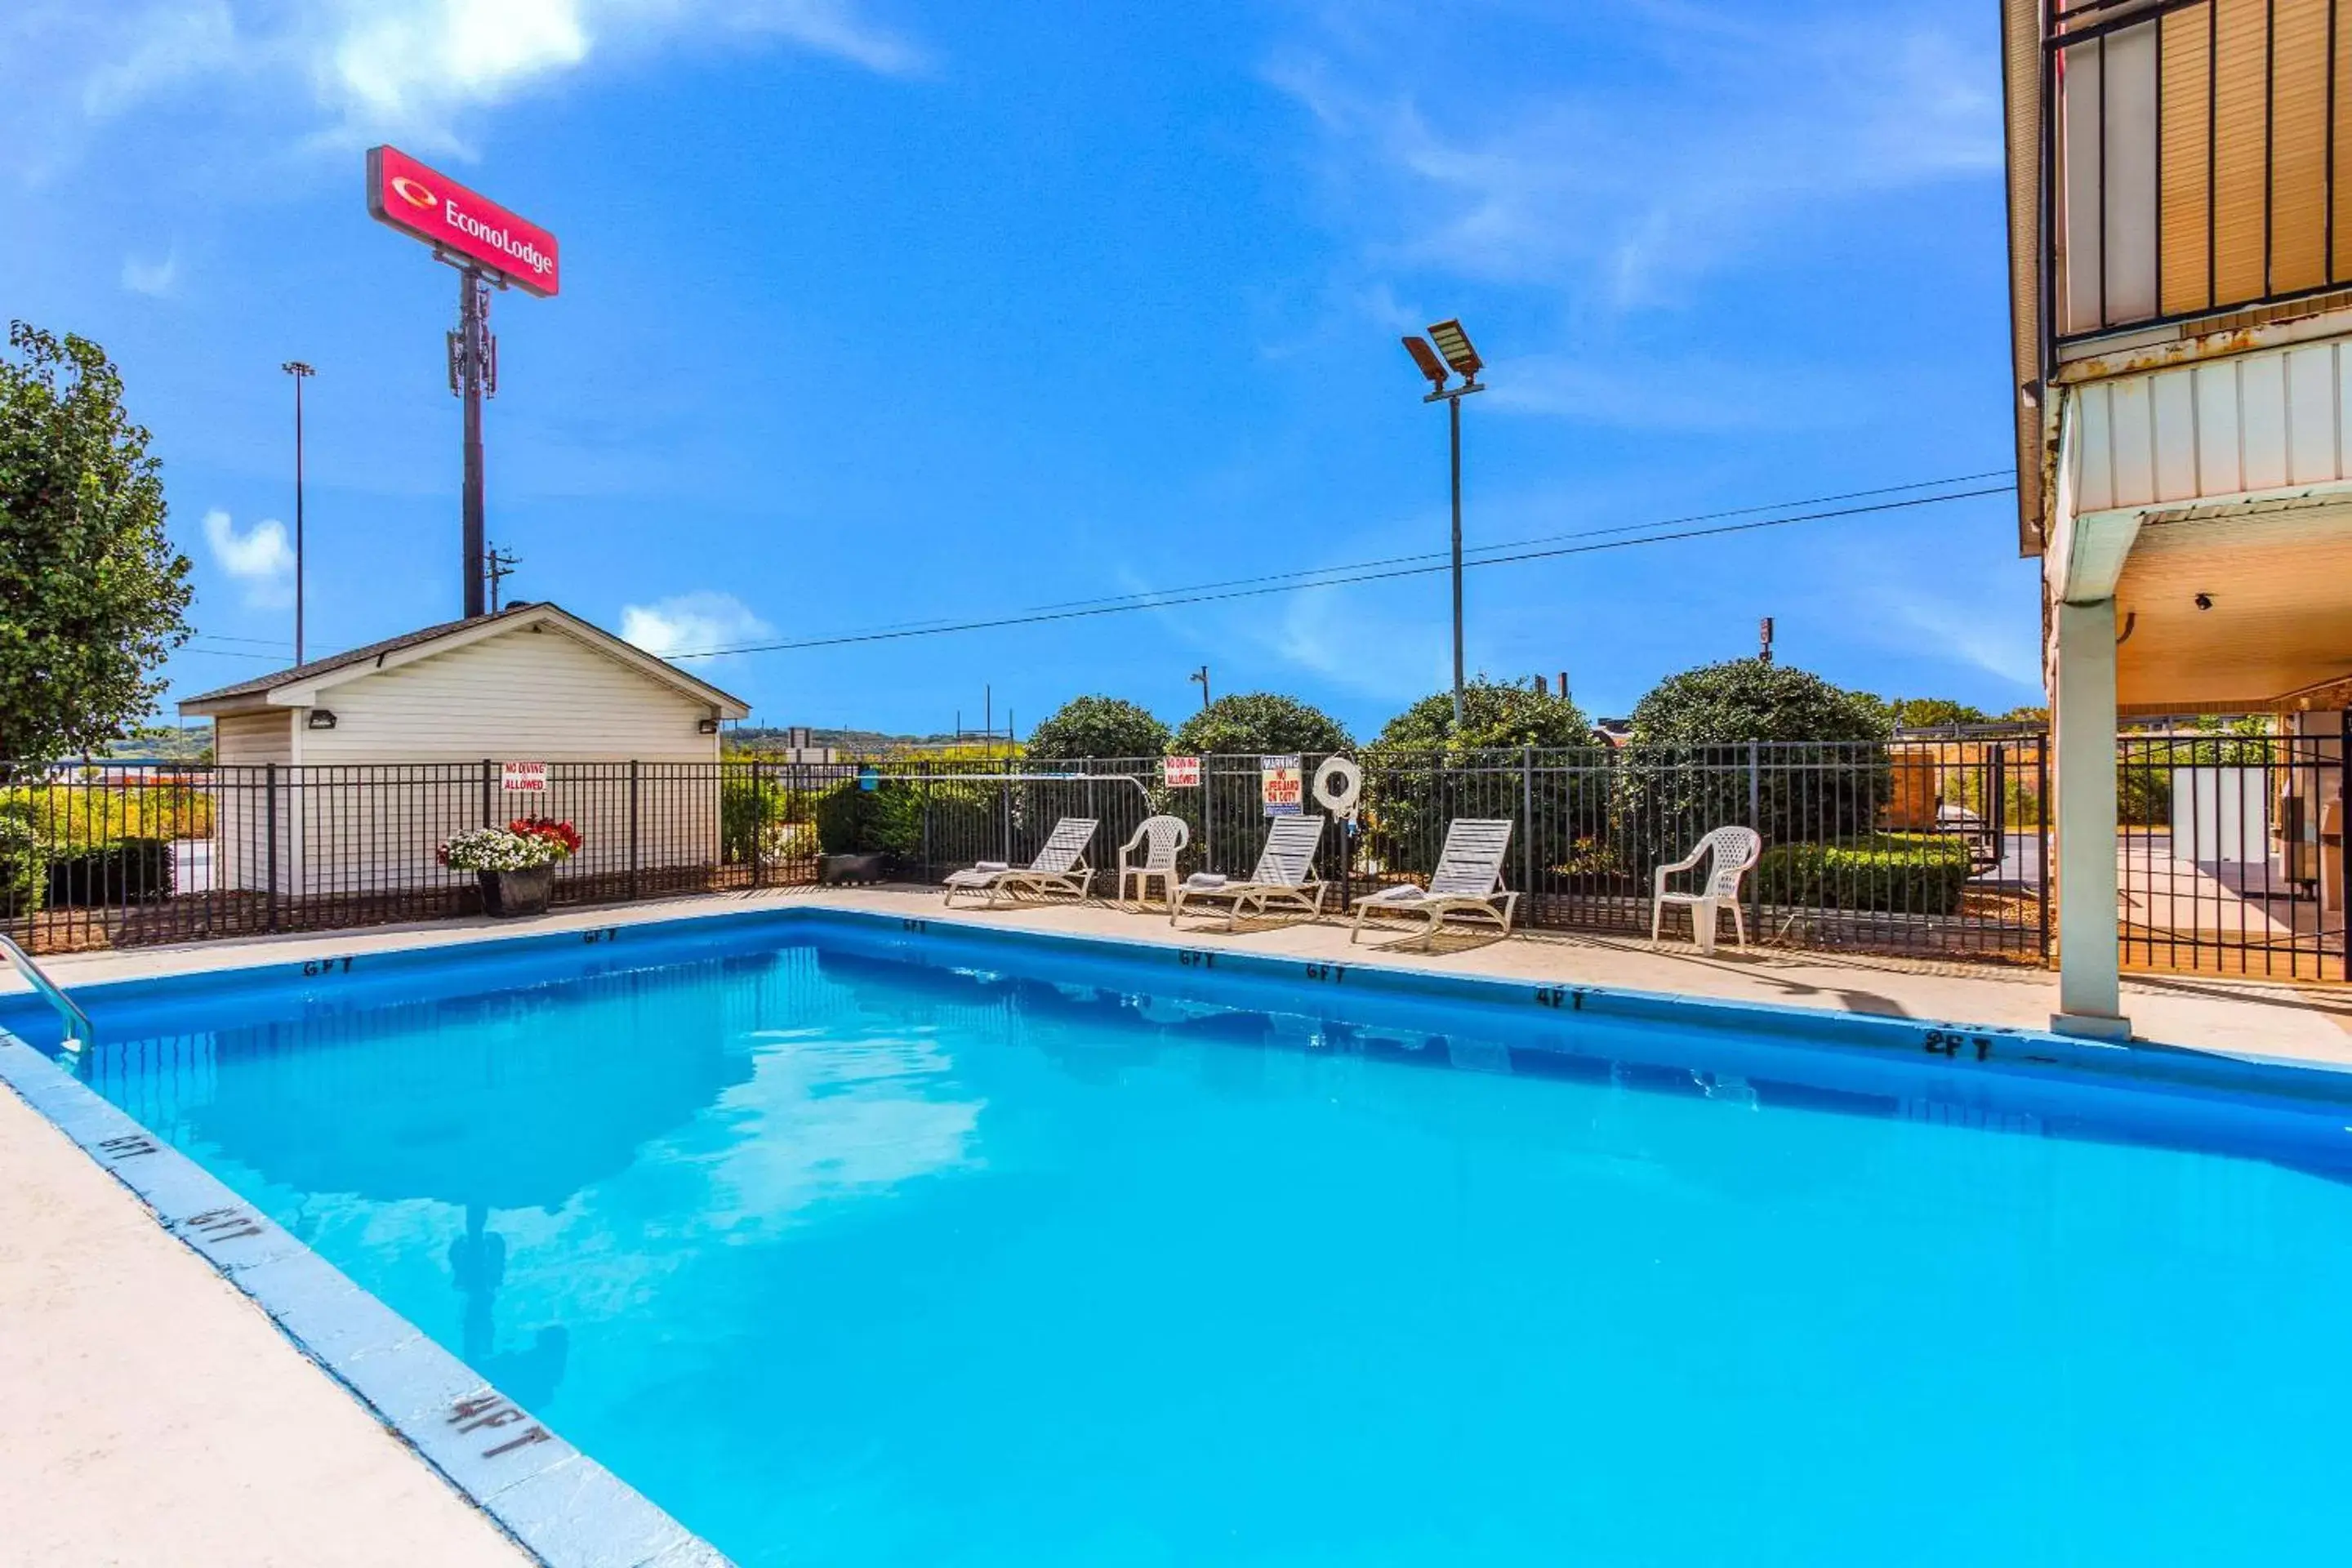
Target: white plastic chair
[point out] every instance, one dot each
(1161, 839)
(1735, 851)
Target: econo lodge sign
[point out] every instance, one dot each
(409, 196)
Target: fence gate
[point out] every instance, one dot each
(2230, 854)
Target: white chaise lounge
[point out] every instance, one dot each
(1468, 880)
(1060, 867)
(1284, 877)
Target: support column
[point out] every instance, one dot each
(2090, 989)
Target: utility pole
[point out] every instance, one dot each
(1202, 674)
(500, 567)
(473, 375)
(300, 372)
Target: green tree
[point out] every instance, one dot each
(1493, 715)
(91, 592)
(1932, 713)
(1262, 722)
(1102, 727)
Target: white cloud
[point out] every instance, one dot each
(1638, 181)
(258, 558)
(691, 622)
(354, 71)
(154, 278)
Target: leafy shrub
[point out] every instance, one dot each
(1892, 873)
(1422, 774)
(1748, 700)
(1495, 715)
(1107, 727)
(127, 871)
(747, 808)
(86, 816)
(889, 818)
(23, 874)
(1264, 722)
(1825, 776)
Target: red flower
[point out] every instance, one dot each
(547, 827)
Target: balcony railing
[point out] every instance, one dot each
(2191, 158)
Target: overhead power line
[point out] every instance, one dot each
(1479, 550)
(1379, 570)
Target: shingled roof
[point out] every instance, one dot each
(375, 652)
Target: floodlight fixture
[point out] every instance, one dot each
(1454, 344)
(1426, 358)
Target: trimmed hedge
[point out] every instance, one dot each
(1888, 873)
(127, 871)
(21, 877)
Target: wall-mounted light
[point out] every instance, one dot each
(707, 727)
(321, 719)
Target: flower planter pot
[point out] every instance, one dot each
(851, 867)
(507, 894)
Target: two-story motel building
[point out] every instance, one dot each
(2181, 256)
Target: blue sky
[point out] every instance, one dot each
(878, 311)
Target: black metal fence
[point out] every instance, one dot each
(1929, 847)
(1925, 847)
(2231, 854)
(97, 854)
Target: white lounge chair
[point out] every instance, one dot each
(1160, 839)
(1284, 876)
(1468, 880)
(1060, 867)
(1735, 851)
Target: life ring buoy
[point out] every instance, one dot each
(1338, 782)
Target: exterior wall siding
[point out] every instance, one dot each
(537, 696)
(241, 811)
(2254, 422)
(540, 696)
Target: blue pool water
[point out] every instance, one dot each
(852, 1248)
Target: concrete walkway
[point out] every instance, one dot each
(153, 1415)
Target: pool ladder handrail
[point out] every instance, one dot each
(77, 1022)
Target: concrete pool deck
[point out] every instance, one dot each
(154, 1414)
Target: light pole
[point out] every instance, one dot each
(300, 372)
(1202, 674)
(1453, 344)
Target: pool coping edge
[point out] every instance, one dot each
(1956, 1043)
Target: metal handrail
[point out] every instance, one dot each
(78, 1032)
(1141, 788)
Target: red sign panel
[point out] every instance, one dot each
(409, 196)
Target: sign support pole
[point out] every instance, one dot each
(472, 359)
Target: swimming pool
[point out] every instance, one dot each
(863, 1242)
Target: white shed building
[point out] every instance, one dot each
(343, 775)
